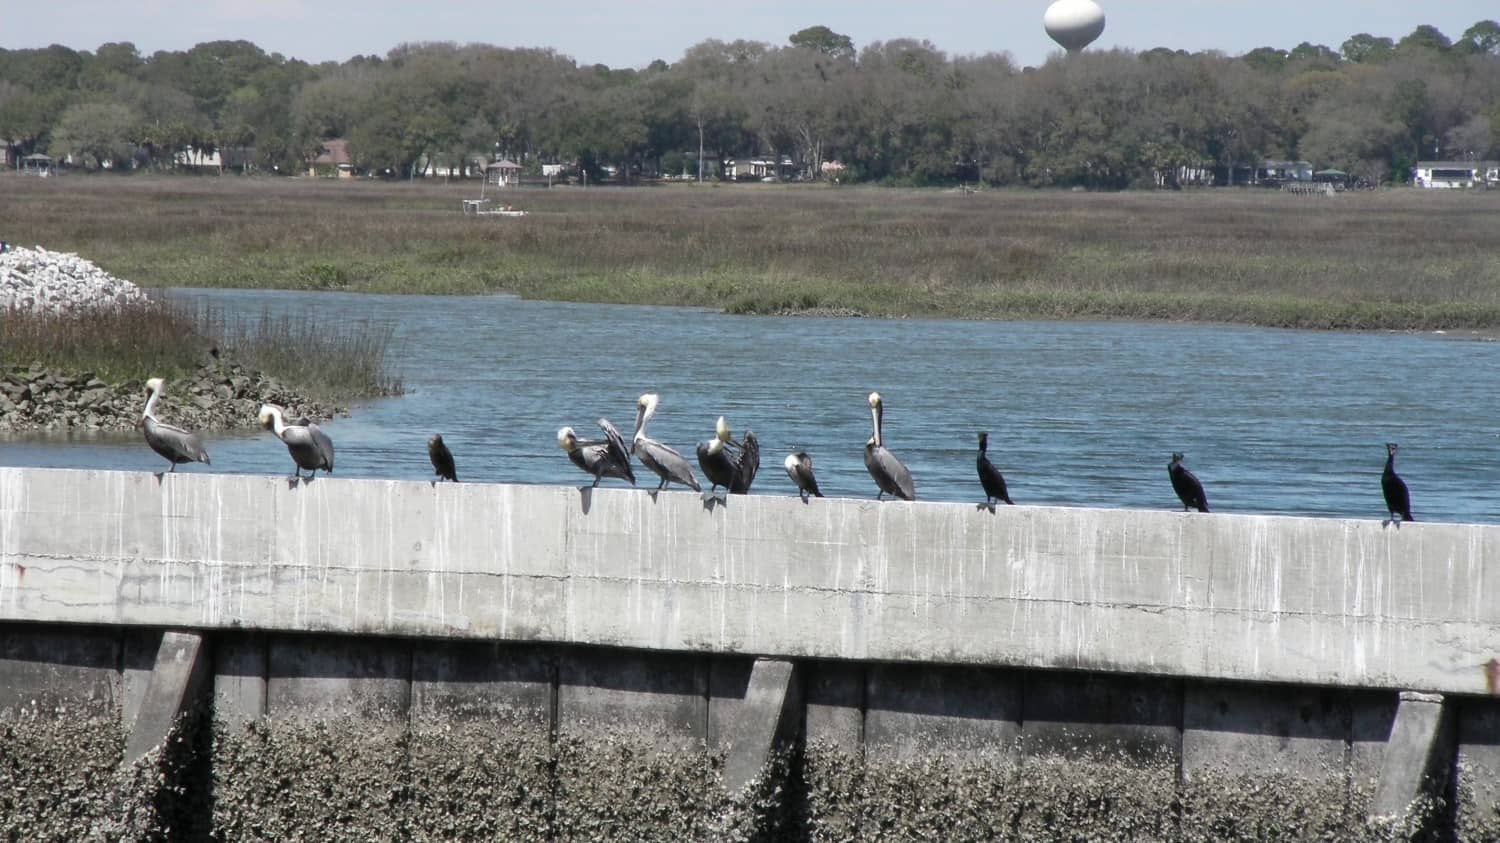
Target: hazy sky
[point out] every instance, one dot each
(633, 34)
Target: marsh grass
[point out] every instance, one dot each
(330, 360)
(1396, 259)
(326, 360)
(132, 343)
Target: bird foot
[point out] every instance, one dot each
(987, 506)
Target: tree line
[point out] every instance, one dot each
(898, 112)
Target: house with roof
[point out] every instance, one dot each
(333, 161)
(1444, 175)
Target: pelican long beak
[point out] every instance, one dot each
(640, 417)
(875, 413)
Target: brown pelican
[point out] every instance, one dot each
(667, 463)
(607, 457)
(989, 476)
(172, 442)
(799, 468)
(309, 446)
(1187, 487)
(442, 458)
(1397, 496)
(717, 463)
(889, 473)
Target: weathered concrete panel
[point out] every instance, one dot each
(43, 668)
(137, 658)
(1248, 747)
(651, 694)
(1231, 597)
(920, 711)
(337, 678)
(1479, 769)
(1371, 716)
(482, 681)
(835, 698)
(241, 666)
(1272, 729)
(1085, 715)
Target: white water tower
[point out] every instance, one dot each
(1074, 24)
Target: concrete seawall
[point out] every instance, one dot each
(1048, 671)
(1260, 598)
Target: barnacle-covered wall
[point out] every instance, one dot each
(409, 739)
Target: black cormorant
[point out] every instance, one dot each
(442, 458)
(989, 476)
(1397, 496)
(1187, 487)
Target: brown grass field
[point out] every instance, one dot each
(1398, 259)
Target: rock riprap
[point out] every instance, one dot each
(221, 395)
(38, 280)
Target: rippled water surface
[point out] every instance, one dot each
(1082, 414)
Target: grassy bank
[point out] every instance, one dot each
(327, 362)
(1400, 259)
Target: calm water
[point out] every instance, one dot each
(1078, 414)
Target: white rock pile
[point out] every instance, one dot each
(37, 280)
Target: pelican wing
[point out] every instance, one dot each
(309, 446)
(174, 443)
(747, 464)
(890, 474)
(665, 462)
(616, 452)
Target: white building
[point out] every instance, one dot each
(1456, 174)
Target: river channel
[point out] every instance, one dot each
(1079, 414)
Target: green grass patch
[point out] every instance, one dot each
(328, 360)
(1401, 259)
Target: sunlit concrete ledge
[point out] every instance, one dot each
(1329, 602)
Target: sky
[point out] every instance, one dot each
(634, 34)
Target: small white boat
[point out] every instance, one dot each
(486, 208)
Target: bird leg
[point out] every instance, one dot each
(597, 478)
(173, 469)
